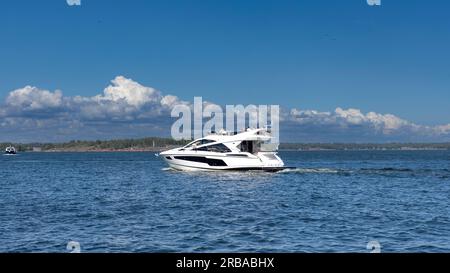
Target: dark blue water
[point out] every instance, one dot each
(129, 202)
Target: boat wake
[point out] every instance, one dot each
(382, 171)
(312, 170)
(387, 169)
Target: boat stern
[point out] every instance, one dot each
(271, 160)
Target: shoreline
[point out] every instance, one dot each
(154, 144)
(126, 150)
(157, 150)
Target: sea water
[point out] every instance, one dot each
(333, 201)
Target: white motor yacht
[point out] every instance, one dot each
(248, 150)
(10, 150)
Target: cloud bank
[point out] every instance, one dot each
(129, 109)
(351, 125)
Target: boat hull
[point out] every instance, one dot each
(240, 169)
(192, 162)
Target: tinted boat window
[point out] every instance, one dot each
(246, 146)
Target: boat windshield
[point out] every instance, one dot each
(199, 142)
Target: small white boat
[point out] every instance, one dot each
(248, 150)
(10, 150)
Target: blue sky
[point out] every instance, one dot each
(318, 55)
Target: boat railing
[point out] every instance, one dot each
(266, 131)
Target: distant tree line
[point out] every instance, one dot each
(143, 143)
(158, 143)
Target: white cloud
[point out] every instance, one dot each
(170, 101)
(32, 98)
(442, 129)
(123, 98)
(129, 91)
(354, 124)
(387, 123)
